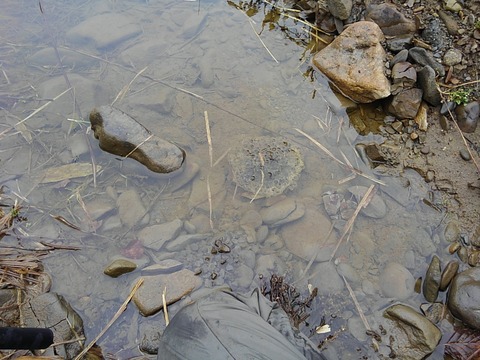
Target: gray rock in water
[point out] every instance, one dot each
(415, 336)
(104, 31)
(148, 297)
(346, 60)
(120, 134)
(463, 297)
(51, 310)
(426, 81)
(396, 282)
(376, 208)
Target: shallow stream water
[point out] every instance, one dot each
(193, 58)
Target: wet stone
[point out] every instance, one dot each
(463, 297)
(283, 212)
(155, 236)
(415, 336)
(120, 134)
(431, 283)
(396, 282)
(104, 31)
(130, 208)
(51, 310)
(434, 312)
(448, 273)
(376, 208)
(467, 116)
(148, 297)
(163, 267)
(119, 267)
(452, 232)
(184, 240)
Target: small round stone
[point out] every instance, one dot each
(430, 176)
(425, 150)
(465, 155)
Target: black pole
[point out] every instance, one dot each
(25, 338)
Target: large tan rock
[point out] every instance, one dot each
(354, 62)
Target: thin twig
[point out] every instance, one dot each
(136, 147)
(43, 107)
(209, 138)
(258, 36)
(363, 203)
(124, 90)
(210, 205)
(262, 165)
(360, 312)
(110, 323)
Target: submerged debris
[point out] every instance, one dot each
(266, 166)
(290, 300)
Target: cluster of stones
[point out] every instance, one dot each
(358, 66)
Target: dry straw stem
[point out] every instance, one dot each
(258, 36)
(210, 153)
(110, 323)
(262, 165)
(165, 310)
(363, 203)
(125, 89)
(360, 312)
(43, 107)
(328, 152)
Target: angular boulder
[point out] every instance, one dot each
(354, 62)
(120, 134)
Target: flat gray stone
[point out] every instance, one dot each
(184, 240)
(282, 212)
(396, 282)
(104, 31)
(148, 297)
(51, 310)
(155, 236)
(376, 208)
(130, 208)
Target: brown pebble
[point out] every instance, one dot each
(453, 248)
(414, 136)
(465, 155)
(425, 150)
(444, 123)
